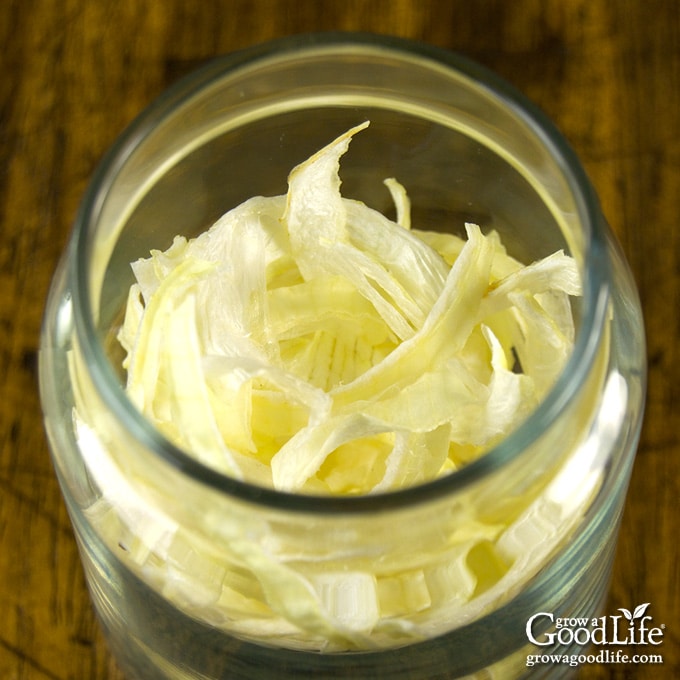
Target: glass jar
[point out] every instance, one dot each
(197, 575)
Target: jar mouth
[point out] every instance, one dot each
(595, 266)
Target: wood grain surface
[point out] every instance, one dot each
(73, 73)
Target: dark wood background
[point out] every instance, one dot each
(73, 73)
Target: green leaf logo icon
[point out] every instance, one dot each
(638, 613)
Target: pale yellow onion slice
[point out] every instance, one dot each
(323, 241)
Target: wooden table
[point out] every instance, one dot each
(73, 73)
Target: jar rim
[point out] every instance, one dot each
(595, 284)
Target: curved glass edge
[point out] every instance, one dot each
(596, 266)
